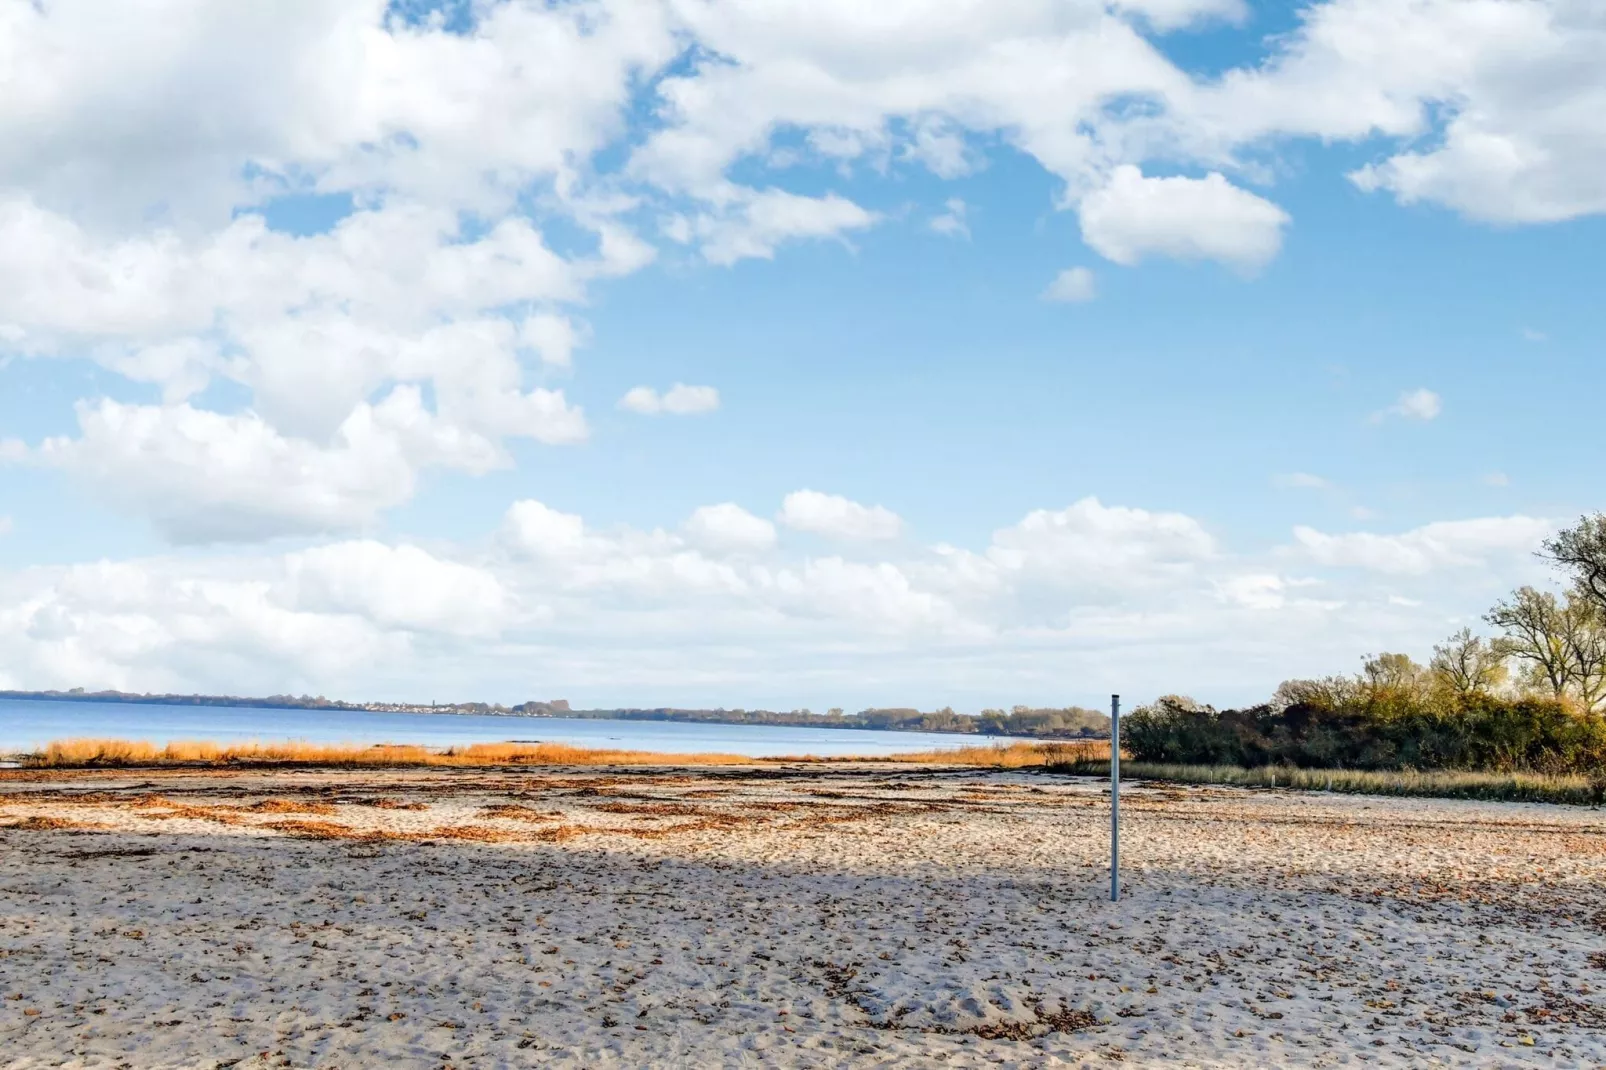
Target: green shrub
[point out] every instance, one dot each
(1374, 730)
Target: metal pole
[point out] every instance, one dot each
(1115, 798)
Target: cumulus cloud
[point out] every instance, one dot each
(951, 222)
(837, 517)
(1255, 590)
(1449, 544)
(400, 587)
(1175, 14)
(1208, 218)
(753, 224)
(678, 400)
(1073, 285)
(617, 614)
(536, 528)
(137, 233)
(729, 527)
(201, 476)
(1108, 545)
(1421, 404)
(553, 337)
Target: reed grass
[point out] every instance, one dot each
(80, 753)
(1495, 787)
(1013, 755)
(121, 753)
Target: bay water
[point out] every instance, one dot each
(28, 724)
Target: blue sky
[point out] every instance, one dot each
(331, 377)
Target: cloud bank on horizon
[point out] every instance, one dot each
(285, 285)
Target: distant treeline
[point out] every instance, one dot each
(1071, 722)
(272, 702)
(1532, 698)
(288, 702)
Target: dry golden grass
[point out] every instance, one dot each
(69, 753)
(1013, 755)
(1449, 784)
(102, 753)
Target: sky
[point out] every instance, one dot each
(787, 353)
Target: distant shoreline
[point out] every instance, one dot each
(994, 723)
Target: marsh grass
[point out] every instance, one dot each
(80, 753)
(120, 753)
(1494, 787)
(1011, 756)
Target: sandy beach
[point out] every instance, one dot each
(794, 917)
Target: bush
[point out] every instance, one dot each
(1381, 729)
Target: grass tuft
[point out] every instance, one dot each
(1492, 787)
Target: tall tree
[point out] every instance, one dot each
(1562, 640)
(1581, 550)
(1533, 623)
(1467, 664)
(1585, 640)
(1394, 674)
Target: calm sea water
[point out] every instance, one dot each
(29, 724)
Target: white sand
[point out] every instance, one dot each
(846, 917)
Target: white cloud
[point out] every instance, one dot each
(1531, 334)
(1300, 481)
(729, 527)
(151, 143)
(682, 400)
(201, 476)
(951, 223)
(837, 517)
(1208, 218)
(1108, 545)
(1254, 590)
(1496, 104)
(755, 223)
(553, 337)
(339, 93)
(1420, 404)
(678, 400)
(1074, 284)
(940, 146)
(1108, 594)
(536, 528)
(400, 587)
(1448, 544)
(1175, 14)
(880, 597)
